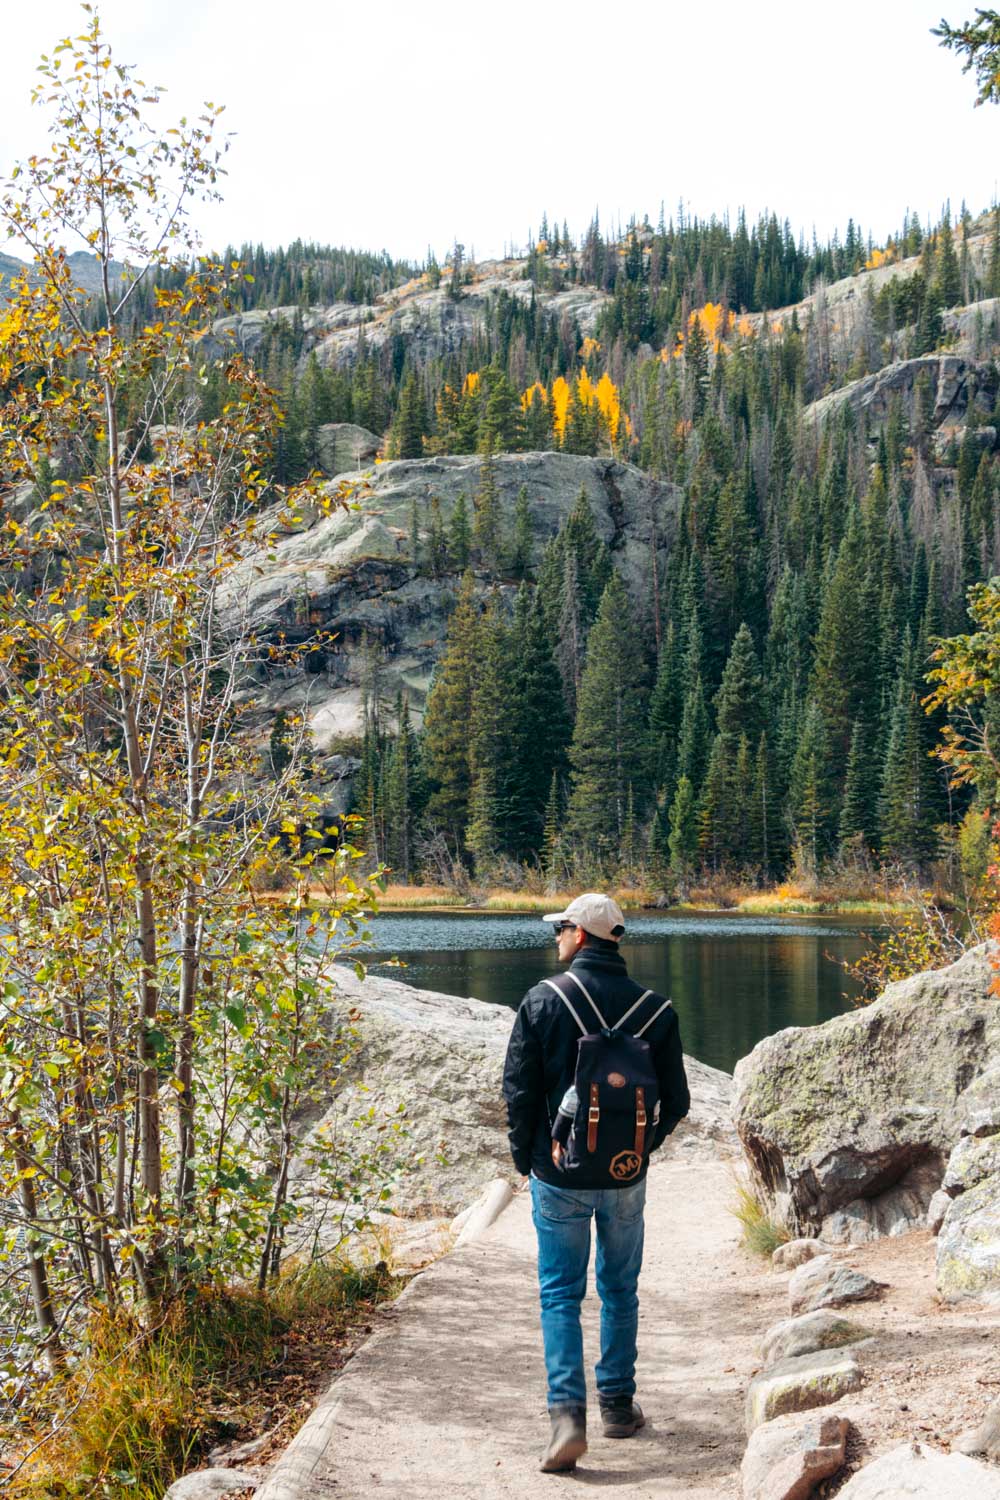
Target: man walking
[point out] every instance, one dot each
(570, 1181)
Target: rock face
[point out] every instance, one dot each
(441, 1059)
(848, 1125)
(956, 383)
(968, 1247)
(432, 322)
(352, 574)
(923, 1473)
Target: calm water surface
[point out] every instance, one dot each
(732, 979)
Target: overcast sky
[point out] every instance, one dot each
(399, 126)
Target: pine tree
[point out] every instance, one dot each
(993, 272)
(907, 811)
(402, 794)
(739, 707)
(410, 424)
(522, 542)
(608, 747)
(809, 804)
(930, 326)
(843, 683)
(447, 719)
(538, 727)
(459, 535)
(665, 708)
(486, 508)
(694, 739)
(858, 815)
(765, 845)
(552, 832)
(488, 729)
(949, 276)
(683, 840)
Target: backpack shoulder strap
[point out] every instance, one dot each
(631, 1010)
(569, 1004)
(587, 996)
(654, 1016)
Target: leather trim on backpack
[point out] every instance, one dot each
(640, 1120)
(593, 1115)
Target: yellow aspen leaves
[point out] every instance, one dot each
(589, 348)
(471, 385)
(560, 406)
(536, 392)
(609, 405)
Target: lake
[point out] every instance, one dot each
(732, 979)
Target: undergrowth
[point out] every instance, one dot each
(762, 1234)
(143, 1406)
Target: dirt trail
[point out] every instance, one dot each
(447, 1398)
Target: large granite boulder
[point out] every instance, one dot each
(346, 448)
(848, 1125)
(968, 1245)
(350, 575)
(919, 1472)
(435, 1062)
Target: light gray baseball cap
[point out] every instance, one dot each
(595, 913)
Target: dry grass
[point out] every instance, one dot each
(761, 1233)
(145, 1405)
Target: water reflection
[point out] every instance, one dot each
(733, 980)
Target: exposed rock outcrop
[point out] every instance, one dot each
(351, 574)
(432, 322)
(838, 1117)
(957, 383)
(439, 1060)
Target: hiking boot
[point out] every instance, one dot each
(568, 1441)
(620, 1416)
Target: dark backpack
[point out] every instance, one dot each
(617, 1108)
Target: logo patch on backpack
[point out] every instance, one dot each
(625, 1165)
(617, 1080)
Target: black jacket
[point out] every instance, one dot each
(541, 1062)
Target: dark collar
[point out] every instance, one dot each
(594, 962)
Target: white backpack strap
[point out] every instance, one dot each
(631, 1010)
(653, 1017)
(567, 1002)
(586, 993)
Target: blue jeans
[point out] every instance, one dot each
(562, 1222)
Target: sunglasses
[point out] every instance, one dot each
(560, 927)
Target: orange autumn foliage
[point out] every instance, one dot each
(714, 320)
(589, 348)
(471, 385)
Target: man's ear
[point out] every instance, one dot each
(581, 938)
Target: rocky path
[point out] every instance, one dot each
(448, 1396)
